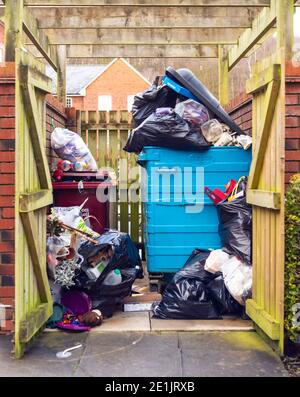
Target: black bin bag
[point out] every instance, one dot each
(186, 296)
(145, 103)
(224, 302)
(168, 130)
(235, 225)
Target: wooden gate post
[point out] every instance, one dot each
(223, 75)
(62, 74)
(13, 28)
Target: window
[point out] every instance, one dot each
(130, 100)
(105, 103)
(69, 102)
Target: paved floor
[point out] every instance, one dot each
(147, 354)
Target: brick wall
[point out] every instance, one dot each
(119, 81)
(292, 140)
(240, 109)
(7, 194)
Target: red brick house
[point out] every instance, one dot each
(99, 87)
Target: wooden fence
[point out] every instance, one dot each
(106, 134)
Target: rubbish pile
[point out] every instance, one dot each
(88, 270)
(217, 282)
(180, 113)
(170, 115)
(90, 267)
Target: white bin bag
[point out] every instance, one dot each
(213, 263)
(238, 279)
(70, 146)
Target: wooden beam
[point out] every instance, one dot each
(34, 321)
(152, 3)
(267, 323)
(138, 51)
(223, 76)
(262, 138)
(62, 74)
(261, 24)
(13, 28)
(130, 17)
(39, 38)
(31, 233)
(33, 201)
(265, 199)
(260, 80)
(285, 27)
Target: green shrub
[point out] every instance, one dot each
(292, 255)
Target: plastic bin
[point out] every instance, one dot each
(171, 229)
(68, 194)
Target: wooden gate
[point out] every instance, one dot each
(33, 303)
(266, 193)
(106, 134)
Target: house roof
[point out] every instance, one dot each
(78, 77)
(81, 76)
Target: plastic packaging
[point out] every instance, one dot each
(245, 141)
(212, 130)
(167, 131)
(113, 278)
(186, 296)
(235, 224)
(224, 140)
(238, 279)
(70, 146)
(192, 111)
(147, 102)
(216, 258)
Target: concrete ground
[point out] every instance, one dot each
(149, 354)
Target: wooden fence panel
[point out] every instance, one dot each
(106, 134)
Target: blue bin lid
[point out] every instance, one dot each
(178, 88)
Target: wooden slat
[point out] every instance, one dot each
(120, 16)
(33, 201)
(263, 319)
(262, 23)
(263, 198)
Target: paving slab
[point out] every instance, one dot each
(228, 354)
(136, 354)
(123, 322)
(230, 324)
(41, 360)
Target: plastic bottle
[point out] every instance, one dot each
(113, 278)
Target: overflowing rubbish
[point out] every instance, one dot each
(216, 258)
(168, 130)
(235, 226)
(147, 102)
(238, 279)
(70, 146)
(188, 295)
(192, 111)
(181, 114)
